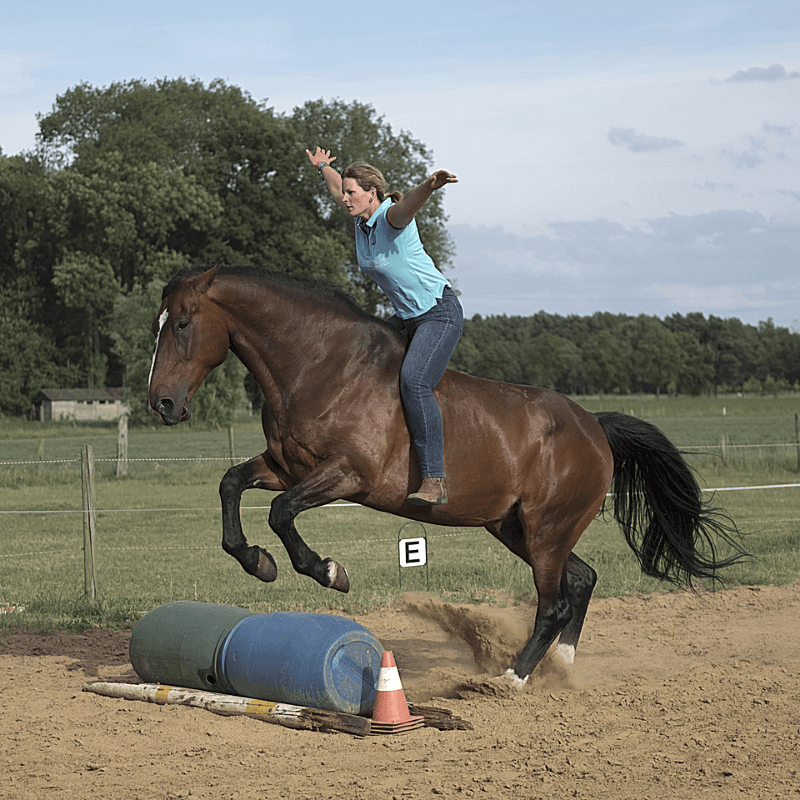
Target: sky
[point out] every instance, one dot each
(625, 157)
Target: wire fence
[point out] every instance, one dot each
(89, 512)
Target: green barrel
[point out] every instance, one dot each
(176, 644)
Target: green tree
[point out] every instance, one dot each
(554, 362)
(752, 385)
(91, 234)
(481, 351)
(138, 174)
(130, 214)
(605, 362)
(29, 358)
(87, 286)
(734, 346)
(655, 354)
(696, 372)
(235, 149)
(22, 183)
(768, 353)
(789, 354)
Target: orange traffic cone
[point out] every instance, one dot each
(391, 714)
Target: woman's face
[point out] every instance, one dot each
(359, 203)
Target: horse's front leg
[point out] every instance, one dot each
(330, 481)
(257, 473)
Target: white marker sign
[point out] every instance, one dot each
(413, 552)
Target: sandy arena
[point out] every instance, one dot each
(671, 696)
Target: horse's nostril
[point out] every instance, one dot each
(165, 406)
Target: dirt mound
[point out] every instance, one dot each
(469, 647)
(670, 696)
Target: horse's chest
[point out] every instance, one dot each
(296, 455)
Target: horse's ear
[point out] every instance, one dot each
(205, 280)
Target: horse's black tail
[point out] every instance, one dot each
(659, 507)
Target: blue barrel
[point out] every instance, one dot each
(314, 660)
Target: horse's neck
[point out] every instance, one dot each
(292, 344)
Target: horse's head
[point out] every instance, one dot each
(191, 339)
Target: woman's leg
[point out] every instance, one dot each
(434, 335)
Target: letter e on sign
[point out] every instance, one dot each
(413, 552)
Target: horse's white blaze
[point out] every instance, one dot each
(567, 652)
(161, 321)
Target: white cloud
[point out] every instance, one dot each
(639, 143)
(750, 158)
(788, 220)
(777, 72)
(712, 186)
(713, 299)
(781, 130)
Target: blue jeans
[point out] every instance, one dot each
(433, 337)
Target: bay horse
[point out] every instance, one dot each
(528, 464)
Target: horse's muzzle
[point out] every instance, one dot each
(169, 413)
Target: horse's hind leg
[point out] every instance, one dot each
(563, 602)
(581, 579)
(553, 614)
(253, 474)
(564, 584)
(554, 611)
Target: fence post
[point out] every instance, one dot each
(230, 442)
(797, 439)
(122, 446)
(40, 454)
(89, 520)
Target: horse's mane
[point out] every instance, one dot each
(318, 286)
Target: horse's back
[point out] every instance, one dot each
(507, 443)
(534, 412)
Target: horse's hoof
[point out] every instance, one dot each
(511, 676)
(337, 576)
(267, 569)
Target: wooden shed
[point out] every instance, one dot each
(81, 405)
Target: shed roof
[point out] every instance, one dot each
(109, 394)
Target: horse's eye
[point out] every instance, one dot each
(181, 324)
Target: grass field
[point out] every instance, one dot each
(158, 529)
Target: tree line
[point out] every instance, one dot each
(618, 353)
(130, 182)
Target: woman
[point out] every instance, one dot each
(390, 251)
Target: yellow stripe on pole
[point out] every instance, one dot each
(259, 708)
(162, 694)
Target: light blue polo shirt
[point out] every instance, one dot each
(398, 263)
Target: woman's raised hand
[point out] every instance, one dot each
(320, 156)
(441, 178)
